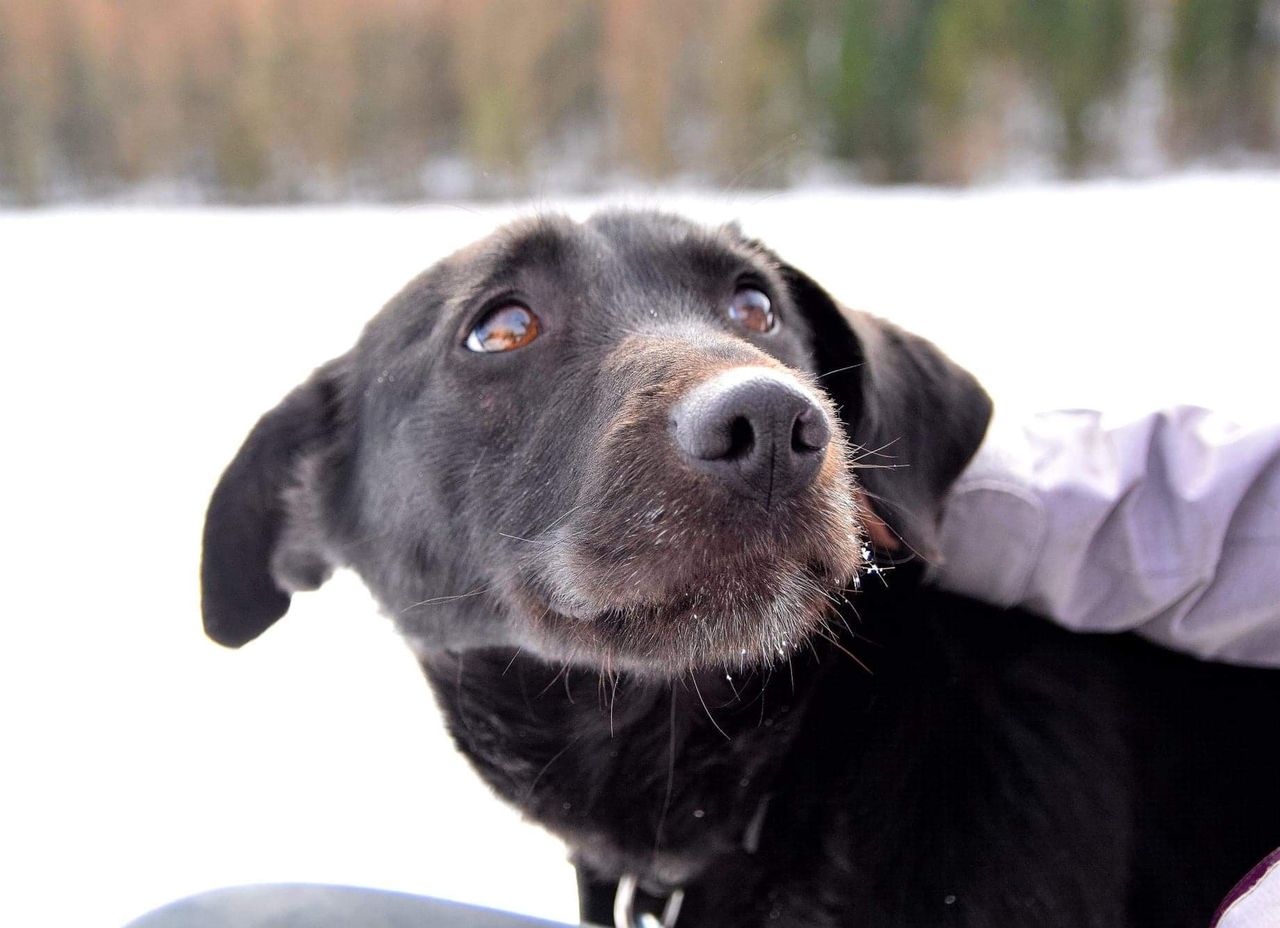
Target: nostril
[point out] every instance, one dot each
(742, 438)
(798, 444)
(809, 431)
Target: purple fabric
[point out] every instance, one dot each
(1268, 865)
(1168, 526)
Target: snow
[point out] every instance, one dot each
(143, 763)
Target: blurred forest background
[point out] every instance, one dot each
(252, 101)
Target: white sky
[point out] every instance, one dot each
(143, 763)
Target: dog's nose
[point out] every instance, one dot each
(756, 429)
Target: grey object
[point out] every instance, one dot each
(1168, 526)
(308, 906)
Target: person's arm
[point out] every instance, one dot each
(1169, 526)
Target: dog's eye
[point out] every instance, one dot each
(751, 309)
(504, 328)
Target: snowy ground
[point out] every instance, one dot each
(143, 763)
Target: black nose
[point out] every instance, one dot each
(756, 429)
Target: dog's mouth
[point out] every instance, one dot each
(685, 611)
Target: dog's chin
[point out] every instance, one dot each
(729, 621)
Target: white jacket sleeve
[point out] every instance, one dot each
(1169, 526)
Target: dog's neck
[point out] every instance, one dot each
(892, 778)
(657, 779)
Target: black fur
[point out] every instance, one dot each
(250, 567)
(674, 679)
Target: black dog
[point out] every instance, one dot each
(611, 481)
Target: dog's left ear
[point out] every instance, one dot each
(263, 533)
(914, 416)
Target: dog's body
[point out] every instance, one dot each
(618, 527)
(992, 770)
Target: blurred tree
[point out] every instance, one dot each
(83, 129)
(240, 156)
(244, 113)
(521, 70)
(874, 99)
(1079, 49)
(755, 94)
(1224, 62)
(279, 100)
(969, 63)
(22, 174)
(405, 110)
(642, 42)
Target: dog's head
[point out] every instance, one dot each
(634, 443)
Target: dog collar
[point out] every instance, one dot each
(624, 907)
(624, 899)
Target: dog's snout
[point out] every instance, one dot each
(756, 429)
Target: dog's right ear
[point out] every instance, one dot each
(263, 532)
(917, 415)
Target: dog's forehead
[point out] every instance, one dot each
(611, 249)
(633, 234)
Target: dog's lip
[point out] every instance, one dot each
(574, 609)
(570, 605)
(689, 630)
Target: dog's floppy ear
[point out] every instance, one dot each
(263, 538)
(914, 416)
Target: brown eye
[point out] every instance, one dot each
(751, 309)
(504, 328)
